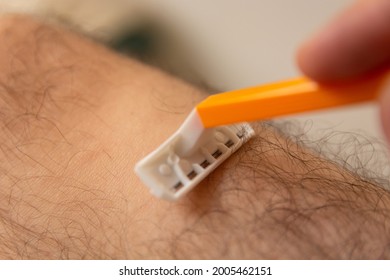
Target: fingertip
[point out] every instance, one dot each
(316, 59)
(300, 59)
(307, 61)
(319, 57)
(354, 43)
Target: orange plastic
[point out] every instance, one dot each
(283, 98)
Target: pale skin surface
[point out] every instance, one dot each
(75, 118)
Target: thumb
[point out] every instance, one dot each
(385, 109)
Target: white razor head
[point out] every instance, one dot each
(188, 156)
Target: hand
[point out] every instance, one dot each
(74, 120)
(355, 43)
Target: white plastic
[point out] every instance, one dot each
(189, 155)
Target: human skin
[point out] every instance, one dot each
(75, 118)
(355, 43)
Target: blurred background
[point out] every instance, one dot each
(219, 44)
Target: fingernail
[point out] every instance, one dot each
(385, 109)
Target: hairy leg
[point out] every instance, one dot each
(74, 120)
